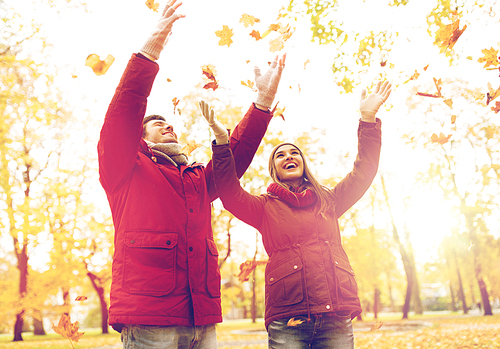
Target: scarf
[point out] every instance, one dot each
(305, 198)
(170, 152)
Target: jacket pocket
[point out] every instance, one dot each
(346, 281)
(284, 282)
(150, 263)
(213, 272)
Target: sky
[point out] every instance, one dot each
(120, 27)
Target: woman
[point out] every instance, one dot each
(311, 292)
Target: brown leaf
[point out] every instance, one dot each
(292, 322)
(441, 139)
(213, 85)
(81, 298)
(376, 326)
(447, 35)
(99, 67)
(246, 268)
(68, 330)
(209, 71)
(248, 20)
(496, 108)
(152, 5)
(225, 36)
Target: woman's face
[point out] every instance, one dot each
(289, 165)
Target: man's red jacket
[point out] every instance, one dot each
(165, 262)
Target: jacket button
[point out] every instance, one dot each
(336, 262)
(168, 242)
(295, 267)
(191, 210)
(327, 307)
(271, 279)
(326, 242)
(190, 249)
(132, 241)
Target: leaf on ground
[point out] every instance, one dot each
(249, 83)
(276, 45)
(68, 330)
(152, 5)
(256, 35)
(376, 326)
(490, 57)
(496, 108)
(81, 298)
(293, 322)
(190, 147)
(99, 67)
(441, 139)
(447, 35)
(248, 20)
(225, 36)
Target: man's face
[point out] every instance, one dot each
(158, 131)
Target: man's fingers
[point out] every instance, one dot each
(257, 72)
(363, 94)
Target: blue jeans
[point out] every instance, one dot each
(169, 337)
(321, 332)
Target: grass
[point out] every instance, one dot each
(442, 331)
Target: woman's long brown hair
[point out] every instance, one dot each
(323, 194)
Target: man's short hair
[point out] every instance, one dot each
(148, 119)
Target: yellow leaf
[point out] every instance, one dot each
(248, 20)
(376, 326)
(292, 322)
(453, 119)
(447, 35)
(248, 83)
(492, 94)
(152, 5)
(490, 57)
(190, 147)
(276, 45)
(225, 36)
(99, 67)
(448, 102)
(68, 330)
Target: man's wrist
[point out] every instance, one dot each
(261, 107)
(148, 56)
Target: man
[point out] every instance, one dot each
(165, 289)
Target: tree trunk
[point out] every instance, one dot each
(376, 303)
(453, 302)
(22, 265)
(461, 294)
(254, 298)
(97, 283)
(38, 329)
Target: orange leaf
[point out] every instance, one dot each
(383, 63)
(425, 68)
(248, 20)
(256, 35)
(99, 67)
(81, 298)
(376, 326)
(276, 45)
(169, 80)
(496, 108)
(293, 322)
(190, 147)
(441, 139)
(246, 268)
(152, 5)
(492, 94)
(175, 101)
(213, 85)
(209, 71)
(447, 35)
(225, 36)
(306, 63)
(68, 330)
(490, 57)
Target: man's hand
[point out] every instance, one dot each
(220, 132)
(369, 106)
(267, 84)
(158, 39)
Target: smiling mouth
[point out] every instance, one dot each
(290, 166)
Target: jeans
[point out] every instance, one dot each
(321, 332)
(169, 337)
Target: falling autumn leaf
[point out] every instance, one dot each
(246, 268)
(248, 20)
(81, 298)
(453, 119)
(441, 139)
(292, 322)
(496, 108)
(175, 101)
(383, 63)
(490, 58)
(376, 326)
(306, 63)
(209, 71)
(492, 94)
(448, 102)
(256, 35)
(426, 67)
(249, 83)
(152, 5)
(225, 36)
(169, 80)
(447, 35)
(276, 45)
(213, 85)
(68, 330)
(99, 67)
(190, 147)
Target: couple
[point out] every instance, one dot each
(165, 290)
